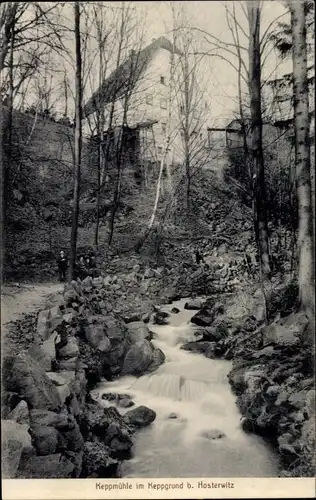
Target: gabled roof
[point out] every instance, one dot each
(124, 78)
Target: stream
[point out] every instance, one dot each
(194, 405)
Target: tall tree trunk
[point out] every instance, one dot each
(117, 192)
(100, 130)
(187, 110)
(78, 144)
(247, 163)
(8, 30)
(302, 159)
(66, 96)
(149, 228)
(97, 220)
(259, 191)
(7, 164)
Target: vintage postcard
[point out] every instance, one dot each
(157, 303)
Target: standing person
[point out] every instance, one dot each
(88, 266)
(93, 266)
(81, 268)
(62, 263)
(199, 256)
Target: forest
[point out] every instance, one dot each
(184, 166)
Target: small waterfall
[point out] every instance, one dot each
(203, 438)
(172, 386)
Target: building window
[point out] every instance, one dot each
(164, 128)
(182, 109)
(162, 80)
(163, 103)
(149, 99)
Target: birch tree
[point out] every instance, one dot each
(169, 135)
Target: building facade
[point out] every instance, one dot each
(145, 96)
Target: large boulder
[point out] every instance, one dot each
(97, 461)
(175, 310)
(45, 439)
(138, 358)
(158, 359)
(71, 297)
(118, 438)
(132, 317)
(205, 316)
(140, 416)
(117, 333)
(106, 347)
(15, 441)
(62, 378)
(193, 304)
(9, 400)
(138, 331)
(236, 378)
(160, 318)
(211, 334)
(107, 426)
(95, 363)
(54, 466)
(43, 418)
(73, 438)
(68, 350)
(44, 354)
(95, 334)
(20, 413)
(22, 374)
(65, 382)
(204, 347)
(287, 331)
(48, 320)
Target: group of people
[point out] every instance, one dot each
(85, 266)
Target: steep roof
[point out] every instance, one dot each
(124, 78)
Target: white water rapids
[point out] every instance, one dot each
(196, 389)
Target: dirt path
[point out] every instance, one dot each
(20, 299)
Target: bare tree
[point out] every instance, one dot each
(130, 34)
(170, 133)
(78, 143)
(34, 30)
(261, 225)
(191, 104)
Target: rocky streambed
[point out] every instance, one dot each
(156, 391)
(197, 430)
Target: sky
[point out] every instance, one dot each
(210, 16)
(220, 79)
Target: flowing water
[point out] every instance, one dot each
(196, 391)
